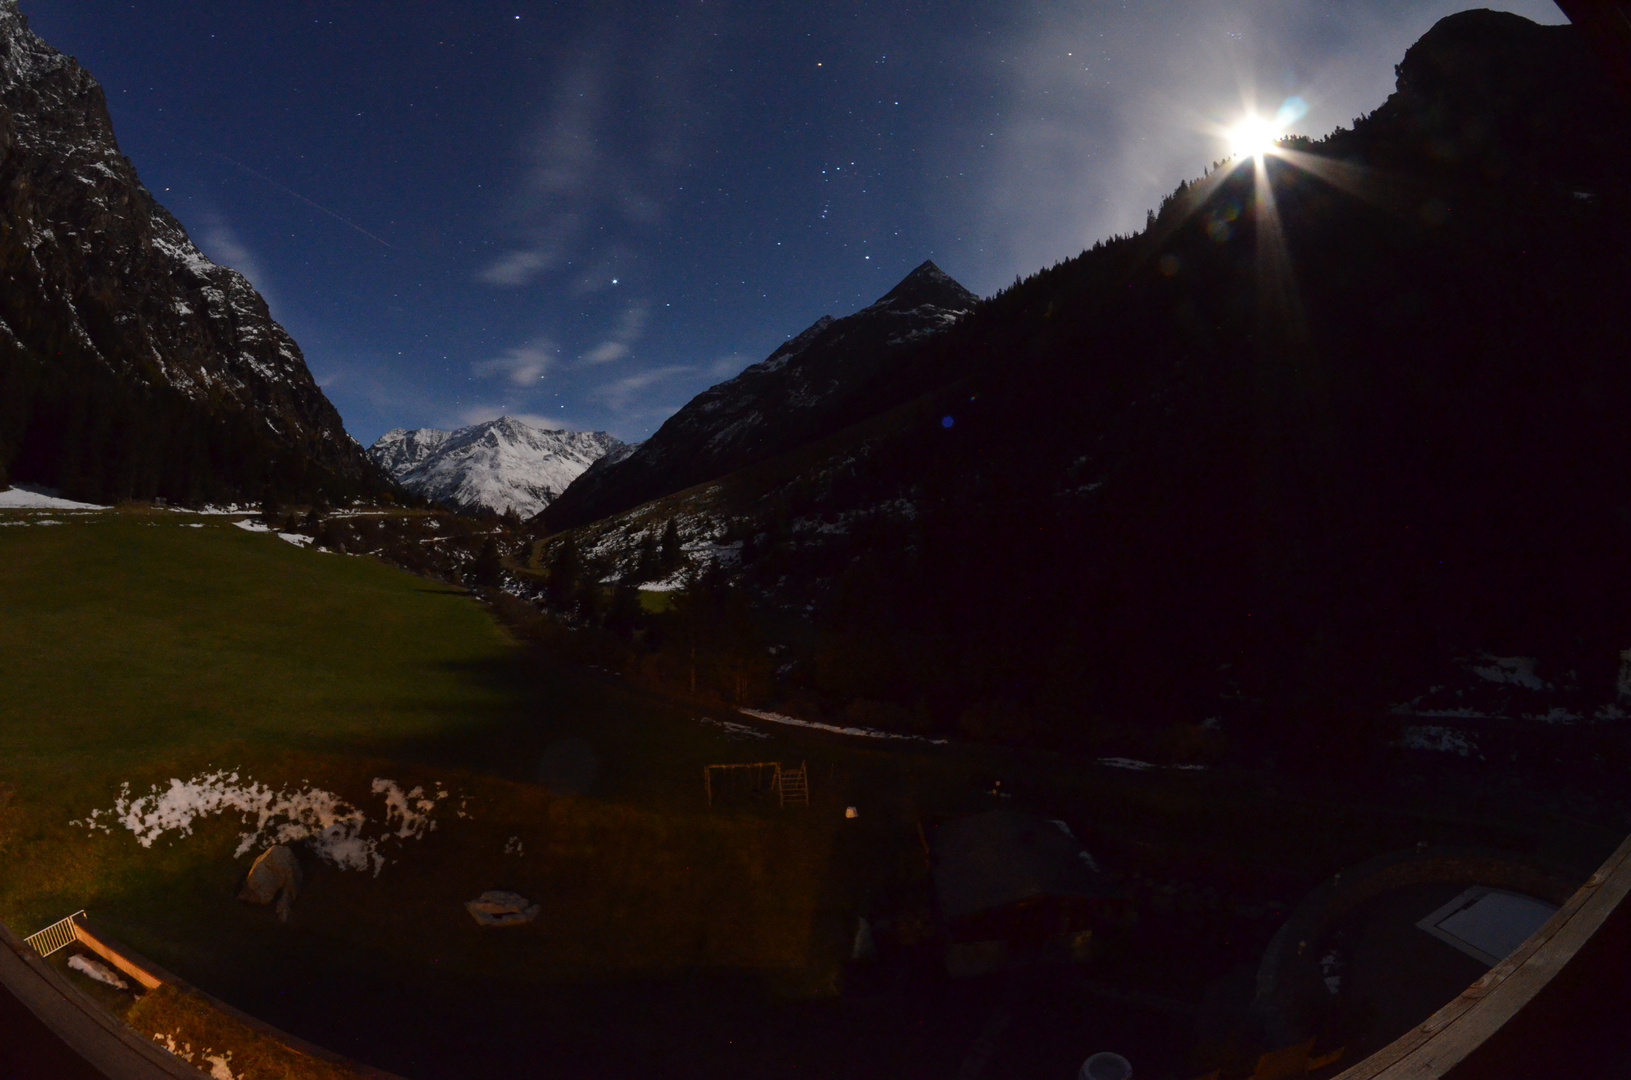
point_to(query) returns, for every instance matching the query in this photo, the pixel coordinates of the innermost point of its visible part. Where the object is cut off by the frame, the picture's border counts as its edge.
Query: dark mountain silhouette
(130, 365)
(1276, 467)
(833, 374)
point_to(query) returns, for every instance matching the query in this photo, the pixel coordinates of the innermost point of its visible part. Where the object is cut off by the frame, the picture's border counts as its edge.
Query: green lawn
(139, 649)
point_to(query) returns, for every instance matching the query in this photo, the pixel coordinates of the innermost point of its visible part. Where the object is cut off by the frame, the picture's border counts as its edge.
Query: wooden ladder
(794, 786)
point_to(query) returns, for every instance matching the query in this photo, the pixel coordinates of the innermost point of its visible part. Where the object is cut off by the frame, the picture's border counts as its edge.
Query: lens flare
(1253, 136)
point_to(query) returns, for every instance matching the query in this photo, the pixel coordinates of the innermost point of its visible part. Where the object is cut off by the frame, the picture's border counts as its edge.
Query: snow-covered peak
(400, 449)
(498, 465)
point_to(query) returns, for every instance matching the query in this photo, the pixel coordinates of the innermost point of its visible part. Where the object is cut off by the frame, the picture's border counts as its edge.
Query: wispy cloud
(519, 267)
(727, 366)
(630, 326)
(606, 352)
(524, 365)
(221, 242)
(613, 130)
(619, 394)
(566, 177)
(480, 414)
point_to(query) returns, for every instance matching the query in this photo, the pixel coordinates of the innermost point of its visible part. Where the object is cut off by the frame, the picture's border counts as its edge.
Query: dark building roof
(1001, 857)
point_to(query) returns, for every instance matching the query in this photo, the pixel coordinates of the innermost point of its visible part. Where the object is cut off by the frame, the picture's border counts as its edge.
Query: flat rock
(274, 878)
(497, 908)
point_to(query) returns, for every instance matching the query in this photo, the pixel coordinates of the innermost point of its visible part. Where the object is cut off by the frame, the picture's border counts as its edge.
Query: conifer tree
(671, 554)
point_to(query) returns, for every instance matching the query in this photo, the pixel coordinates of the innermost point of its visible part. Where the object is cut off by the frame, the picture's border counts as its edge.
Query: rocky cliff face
(834, 373)
(129, 363)
(501, 465)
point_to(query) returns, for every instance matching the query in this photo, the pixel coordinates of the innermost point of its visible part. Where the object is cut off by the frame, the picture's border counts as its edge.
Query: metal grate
(55, 936)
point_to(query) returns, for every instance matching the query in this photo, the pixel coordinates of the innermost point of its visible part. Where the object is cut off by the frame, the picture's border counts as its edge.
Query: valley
(1211, 648)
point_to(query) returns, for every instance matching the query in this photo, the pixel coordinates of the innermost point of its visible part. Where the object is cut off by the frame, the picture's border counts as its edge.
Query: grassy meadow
(141, 646)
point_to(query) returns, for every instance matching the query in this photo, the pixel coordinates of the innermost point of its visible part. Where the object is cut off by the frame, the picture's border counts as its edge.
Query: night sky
(585, 213)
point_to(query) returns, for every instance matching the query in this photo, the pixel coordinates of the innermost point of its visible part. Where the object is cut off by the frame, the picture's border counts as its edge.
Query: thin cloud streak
(221, 242)
(619, 394)
(524, 365)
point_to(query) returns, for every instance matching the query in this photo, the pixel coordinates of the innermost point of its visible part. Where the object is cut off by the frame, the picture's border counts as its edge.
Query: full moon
(1252, 136)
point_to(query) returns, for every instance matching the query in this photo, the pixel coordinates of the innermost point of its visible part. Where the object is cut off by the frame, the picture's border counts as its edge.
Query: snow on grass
(1463, 713)
(251, 526)
(1141, 766)
(1557, 714)
(675, 582)
(734, 730)
(294, 538)
(230, 508)
(865, 733)
(220, 1064)
(336, 831)
(1517, 670)
(1439, 739)
(38, 498)
(412, 810)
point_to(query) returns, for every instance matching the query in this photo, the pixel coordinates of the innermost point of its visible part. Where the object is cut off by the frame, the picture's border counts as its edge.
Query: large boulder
(273, 879)
(497, 908)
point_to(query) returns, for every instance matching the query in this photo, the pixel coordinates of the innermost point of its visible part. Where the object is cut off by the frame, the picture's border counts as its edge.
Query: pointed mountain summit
(130, 364)
(928, 285)
(500, 465)
(835, 373)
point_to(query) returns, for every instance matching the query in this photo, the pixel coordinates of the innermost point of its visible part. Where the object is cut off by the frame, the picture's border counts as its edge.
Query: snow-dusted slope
(834, 373)
(500, 465)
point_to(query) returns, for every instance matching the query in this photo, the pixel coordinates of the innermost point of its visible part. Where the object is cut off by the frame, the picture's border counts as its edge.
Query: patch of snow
(1082, 854)
(39, 498)
(672, 583)
(734, 730)
(251, 526)
(93, 969)
(412, 809)
(1439, 739)
(1331, 969)
(865, 733)
(294, 538)
(1517, 670)
(332, 827)
(1140, 766)
(1557, 714)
